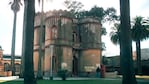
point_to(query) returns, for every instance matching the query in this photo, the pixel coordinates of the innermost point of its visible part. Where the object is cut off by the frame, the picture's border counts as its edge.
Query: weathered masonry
(70, 43)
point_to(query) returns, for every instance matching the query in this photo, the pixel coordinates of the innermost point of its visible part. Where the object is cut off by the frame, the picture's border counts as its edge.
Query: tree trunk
(23, 50)
(126, 61)
(13, 45)
(138, 51)
(29, 11)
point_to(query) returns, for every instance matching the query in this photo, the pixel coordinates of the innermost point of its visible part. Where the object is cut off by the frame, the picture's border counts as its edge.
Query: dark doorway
(75, 66)
(54, 64)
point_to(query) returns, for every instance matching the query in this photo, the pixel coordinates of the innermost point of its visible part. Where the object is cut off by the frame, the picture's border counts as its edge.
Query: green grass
(81, 82)
(100, 81)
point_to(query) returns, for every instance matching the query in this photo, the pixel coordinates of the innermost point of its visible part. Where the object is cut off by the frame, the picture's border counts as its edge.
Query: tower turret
(90, 35)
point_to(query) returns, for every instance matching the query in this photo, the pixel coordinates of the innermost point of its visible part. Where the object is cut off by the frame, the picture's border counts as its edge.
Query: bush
(63, 74)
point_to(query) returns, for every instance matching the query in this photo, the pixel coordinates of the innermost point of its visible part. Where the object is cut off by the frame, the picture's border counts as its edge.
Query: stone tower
(58, 41)
(73, 44)
(90, 45)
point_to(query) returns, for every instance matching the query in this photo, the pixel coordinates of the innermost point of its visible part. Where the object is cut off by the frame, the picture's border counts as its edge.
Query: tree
(103, 15)
(28, 27)
(114, 34)
(110, 15)
(126, 62)
(97, 12)
(139, 33)
(15, 7)
(73, 6)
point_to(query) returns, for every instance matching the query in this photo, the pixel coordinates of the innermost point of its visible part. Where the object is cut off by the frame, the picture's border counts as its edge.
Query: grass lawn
(100, 81)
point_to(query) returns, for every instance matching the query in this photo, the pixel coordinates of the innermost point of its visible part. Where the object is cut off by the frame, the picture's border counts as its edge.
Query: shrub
(63, 74)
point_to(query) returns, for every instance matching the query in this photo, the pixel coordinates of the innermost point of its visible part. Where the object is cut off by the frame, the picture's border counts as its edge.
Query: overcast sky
(137, 7)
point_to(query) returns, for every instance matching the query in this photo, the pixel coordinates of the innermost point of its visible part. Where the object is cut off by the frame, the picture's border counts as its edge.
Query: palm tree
(15, 7)
(114, 34)
(28, 32)
(126, 62)
(139, 33)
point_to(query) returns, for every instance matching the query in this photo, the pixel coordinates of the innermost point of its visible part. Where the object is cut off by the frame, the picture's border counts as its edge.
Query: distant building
(113, 62)
(5, 64)
(144, 54)
(70, 41)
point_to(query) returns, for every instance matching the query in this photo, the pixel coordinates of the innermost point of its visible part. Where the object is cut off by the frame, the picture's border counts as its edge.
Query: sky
(137, 8)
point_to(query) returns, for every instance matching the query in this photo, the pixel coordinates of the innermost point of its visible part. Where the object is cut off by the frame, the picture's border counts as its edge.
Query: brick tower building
(70, 43)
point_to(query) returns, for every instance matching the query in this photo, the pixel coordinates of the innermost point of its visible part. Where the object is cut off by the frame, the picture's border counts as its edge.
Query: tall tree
(114, 34)
(126, 62)
(15, 7)
(28, 25)
(139, 33)
(103, 15)
(73, 6)
(97, 12)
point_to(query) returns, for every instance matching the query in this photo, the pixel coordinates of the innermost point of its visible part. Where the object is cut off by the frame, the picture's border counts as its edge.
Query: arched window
(6, 67)
(74, 37)
(17, 67)
(54, 32)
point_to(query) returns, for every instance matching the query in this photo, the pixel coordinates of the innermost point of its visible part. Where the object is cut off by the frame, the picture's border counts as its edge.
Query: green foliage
(15, 5)
(73, 6)
(63, 74)
(139, 32)
(140, 29)
(114, 34)
(103, 47)
(103, 31)
(110, 15)
(99, 12)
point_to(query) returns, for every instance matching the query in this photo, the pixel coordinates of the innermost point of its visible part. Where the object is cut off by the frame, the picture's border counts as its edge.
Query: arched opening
(17, 68)
(54, 64)
(75, 66)
(74, 35)
(54, 32)
(6, 67)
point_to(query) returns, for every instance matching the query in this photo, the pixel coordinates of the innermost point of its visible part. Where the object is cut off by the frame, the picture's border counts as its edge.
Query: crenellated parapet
(68, 38)
(58, 27)
(87, 30)
(51, 14)
(90, 20)
(37, 19)
(58, 13)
